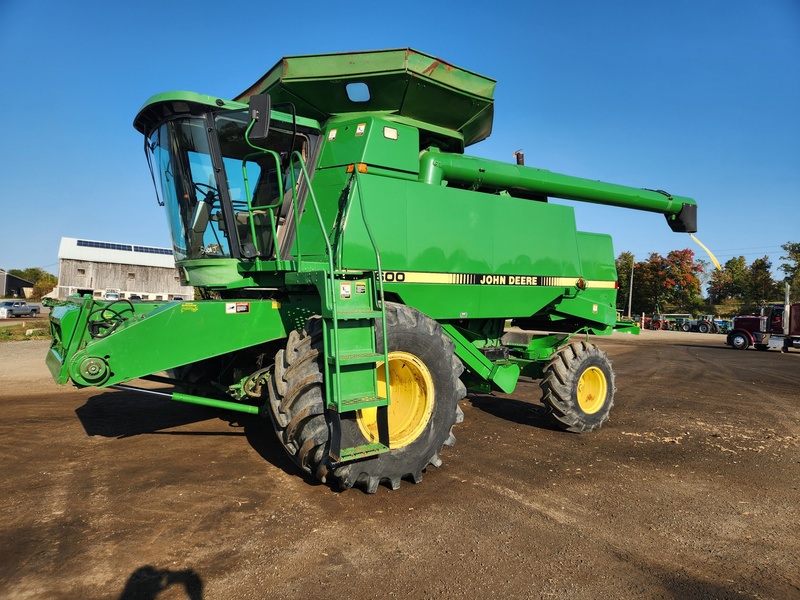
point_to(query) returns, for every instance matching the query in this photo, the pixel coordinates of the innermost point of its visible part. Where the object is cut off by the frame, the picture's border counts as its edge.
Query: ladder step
(350, 315)
(356, 359)
(349, 404)
(362, 451)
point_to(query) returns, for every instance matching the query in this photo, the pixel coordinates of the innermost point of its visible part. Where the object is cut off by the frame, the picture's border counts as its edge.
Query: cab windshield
(223, 198)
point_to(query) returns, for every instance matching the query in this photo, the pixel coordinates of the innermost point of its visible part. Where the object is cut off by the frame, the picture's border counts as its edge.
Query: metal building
(126, 270)
(12, 286)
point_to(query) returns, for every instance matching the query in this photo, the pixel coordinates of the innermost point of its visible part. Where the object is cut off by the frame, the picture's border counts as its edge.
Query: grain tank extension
(355, 270)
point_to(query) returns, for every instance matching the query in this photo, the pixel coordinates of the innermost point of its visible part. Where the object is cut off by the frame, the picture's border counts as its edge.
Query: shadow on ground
(124, 414)
(515, 411)
(118, 414)
(147, 583)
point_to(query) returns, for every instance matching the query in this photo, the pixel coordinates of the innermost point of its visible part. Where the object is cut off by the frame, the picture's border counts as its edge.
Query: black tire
(739, 341)
(704, 328)
(297, 403)
(574, 406)
(686, 327)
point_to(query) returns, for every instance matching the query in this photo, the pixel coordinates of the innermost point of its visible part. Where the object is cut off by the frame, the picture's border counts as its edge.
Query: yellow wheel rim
(411, 401)
(592, 390)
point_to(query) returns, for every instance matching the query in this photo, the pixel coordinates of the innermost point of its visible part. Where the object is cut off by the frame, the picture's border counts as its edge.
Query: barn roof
(115, 253)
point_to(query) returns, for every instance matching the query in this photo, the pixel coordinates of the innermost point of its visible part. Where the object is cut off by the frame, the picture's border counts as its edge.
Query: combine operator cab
(227, 187)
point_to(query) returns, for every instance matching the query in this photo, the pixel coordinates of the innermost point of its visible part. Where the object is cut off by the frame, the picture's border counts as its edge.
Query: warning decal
(235, 308)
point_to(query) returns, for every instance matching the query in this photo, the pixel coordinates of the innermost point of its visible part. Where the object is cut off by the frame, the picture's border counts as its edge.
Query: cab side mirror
(260, 106)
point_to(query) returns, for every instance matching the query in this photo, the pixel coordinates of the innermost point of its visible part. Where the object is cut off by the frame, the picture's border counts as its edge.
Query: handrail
(296, 158)
(379, 286)
(269, 207)
(341, 221)
(329, 252)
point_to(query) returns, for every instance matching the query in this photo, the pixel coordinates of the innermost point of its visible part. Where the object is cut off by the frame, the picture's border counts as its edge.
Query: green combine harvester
(355, 270)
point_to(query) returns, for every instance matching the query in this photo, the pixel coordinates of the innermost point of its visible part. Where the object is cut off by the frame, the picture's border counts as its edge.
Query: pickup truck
(16, 308)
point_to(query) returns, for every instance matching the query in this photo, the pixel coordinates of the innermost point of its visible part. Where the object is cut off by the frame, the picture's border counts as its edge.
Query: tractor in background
(702, 324)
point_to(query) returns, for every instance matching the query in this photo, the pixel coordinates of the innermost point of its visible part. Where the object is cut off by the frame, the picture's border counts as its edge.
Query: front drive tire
(578, 386)
(740, 341)
(424, 405)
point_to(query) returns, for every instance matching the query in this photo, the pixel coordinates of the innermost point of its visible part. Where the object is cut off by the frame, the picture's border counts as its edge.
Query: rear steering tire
(425, 389)
(578, 386)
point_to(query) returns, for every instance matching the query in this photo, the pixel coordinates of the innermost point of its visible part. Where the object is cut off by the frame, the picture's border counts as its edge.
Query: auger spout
(537, 184)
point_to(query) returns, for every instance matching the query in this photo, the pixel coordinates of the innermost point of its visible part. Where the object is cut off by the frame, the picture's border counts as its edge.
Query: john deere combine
(355, 270)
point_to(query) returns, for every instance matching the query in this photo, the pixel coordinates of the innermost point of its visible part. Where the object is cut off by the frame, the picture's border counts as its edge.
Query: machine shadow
(120, 414)
(721, 348)
(261, 436)
(513, 410)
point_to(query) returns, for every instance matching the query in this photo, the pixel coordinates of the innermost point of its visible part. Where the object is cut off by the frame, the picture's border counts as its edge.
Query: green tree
(625, 263)
(44, 285)
(760, 288)
(727, 286)
(704, 276)
(683, 281)
(648, 284)
(32, 274)
(792, 268)
(667, 284)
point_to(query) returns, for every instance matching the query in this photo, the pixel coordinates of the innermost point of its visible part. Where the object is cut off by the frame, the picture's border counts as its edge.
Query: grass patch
(15, 333)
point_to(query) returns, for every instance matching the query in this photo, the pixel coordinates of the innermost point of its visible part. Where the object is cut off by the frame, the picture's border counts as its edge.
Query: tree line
(674, 283)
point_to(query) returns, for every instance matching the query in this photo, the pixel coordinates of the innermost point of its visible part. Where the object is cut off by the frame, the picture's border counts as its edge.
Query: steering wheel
(210, 193)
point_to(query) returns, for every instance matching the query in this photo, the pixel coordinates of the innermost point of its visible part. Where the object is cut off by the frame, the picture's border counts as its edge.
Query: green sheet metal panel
(376, 142)
(178, 333)
(594, 248)
(327, 186)
(499, 256)
(400, 81)
(168, 104)
(483, 233)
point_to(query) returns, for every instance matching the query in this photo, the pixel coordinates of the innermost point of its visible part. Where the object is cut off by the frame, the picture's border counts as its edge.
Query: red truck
(778, 326)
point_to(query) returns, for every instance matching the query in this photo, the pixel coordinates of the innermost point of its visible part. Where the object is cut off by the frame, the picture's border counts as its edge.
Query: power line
(751, 248)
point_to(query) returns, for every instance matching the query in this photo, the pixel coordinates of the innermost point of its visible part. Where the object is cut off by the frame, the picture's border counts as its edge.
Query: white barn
(97, 268)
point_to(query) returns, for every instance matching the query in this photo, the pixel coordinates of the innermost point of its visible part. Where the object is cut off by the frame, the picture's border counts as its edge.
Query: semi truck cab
(778, 326)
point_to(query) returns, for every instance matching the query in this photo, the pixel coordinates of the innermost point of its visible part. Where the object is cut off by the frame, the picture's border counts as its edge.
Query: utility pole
(630, 291)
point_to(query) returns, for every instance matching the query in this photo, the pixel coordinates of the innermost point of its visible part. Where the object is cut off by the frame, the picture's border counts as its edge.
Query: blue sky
(697, 97)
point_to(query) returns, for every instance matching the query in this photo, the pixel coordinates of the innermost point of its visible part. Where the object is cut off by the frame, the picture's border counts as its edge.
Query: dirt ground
(689, 491)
